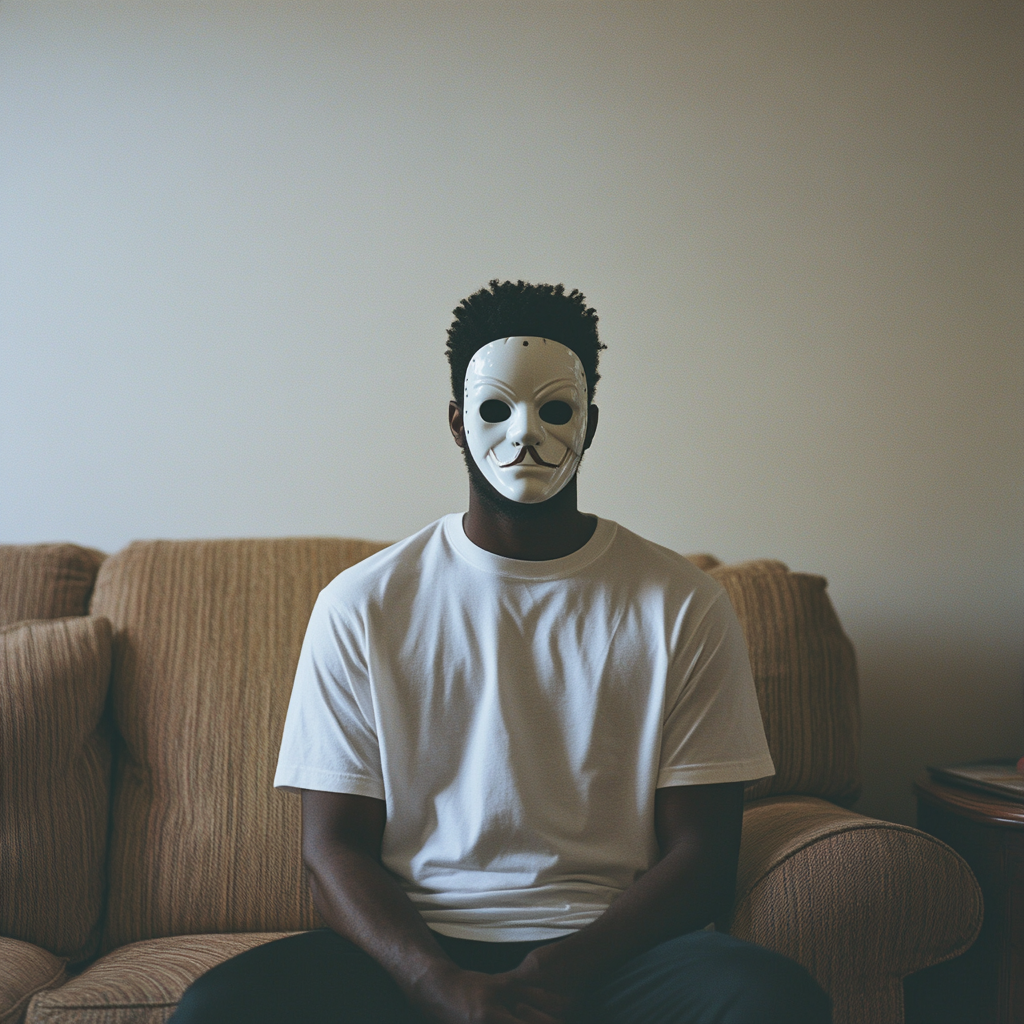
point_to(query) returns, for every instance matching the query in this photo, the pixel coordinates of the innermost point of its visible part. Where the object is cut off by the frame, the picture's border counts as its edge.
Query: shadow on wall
(932, 694)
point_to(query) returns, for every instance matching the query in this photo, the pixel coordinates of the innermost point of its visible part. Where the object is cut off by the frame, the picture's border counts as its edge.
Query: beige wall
(233, 234)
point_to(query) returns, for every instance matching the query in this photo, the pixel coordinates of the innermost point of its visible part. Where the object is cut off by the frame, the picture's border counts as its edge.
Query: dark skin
(692, 883)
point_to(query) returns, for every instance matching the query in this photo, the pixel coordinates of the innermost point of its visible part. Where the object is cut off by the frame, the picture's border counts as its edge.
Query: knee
(759, 986)
(208, 1000)
(706, 977)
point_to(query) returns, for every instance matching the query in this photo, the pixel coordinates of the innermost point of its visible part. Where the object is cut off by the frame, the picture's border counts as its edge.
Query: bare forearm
(693, 884)
(362, 901)
(670, 899)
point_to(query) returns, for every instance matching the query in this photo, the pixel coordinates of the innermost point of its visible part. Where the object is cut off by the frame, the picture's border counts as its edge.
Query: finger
(544, 999)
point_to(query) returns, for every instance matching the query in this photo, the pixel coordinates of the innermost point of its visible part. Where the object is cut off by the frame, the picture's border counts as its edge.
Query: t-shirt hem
(294, 778)
(500, 934)
(708, 774)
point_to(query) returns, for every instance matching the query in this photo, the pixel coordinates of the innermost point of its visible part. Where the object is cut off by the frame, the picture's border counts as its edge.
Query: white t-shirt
(517, 717)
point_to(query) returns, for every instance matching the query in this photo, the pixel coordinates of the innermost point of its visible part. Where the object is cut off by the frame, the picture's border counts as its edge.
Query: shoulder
(648, 565)
(394, 568)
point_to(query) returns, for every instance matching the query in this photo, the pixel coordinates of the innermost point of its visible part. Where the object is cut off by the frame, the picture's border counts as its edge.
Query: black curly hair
(504, 309)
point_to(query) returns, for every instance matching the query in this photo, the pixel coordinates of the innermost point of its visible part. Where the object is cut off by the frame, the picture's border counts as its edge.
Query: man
(521, 737)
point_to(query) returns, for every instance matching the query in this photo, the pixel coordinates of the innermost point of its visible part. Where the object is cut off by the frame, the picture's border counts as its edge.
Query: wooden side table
(986, 984)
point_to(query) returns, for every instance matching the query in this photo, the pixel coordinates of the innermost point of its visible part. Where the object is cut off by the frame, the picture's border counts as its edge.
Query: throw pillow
(54, 782)
(45, 581)
(806, 677)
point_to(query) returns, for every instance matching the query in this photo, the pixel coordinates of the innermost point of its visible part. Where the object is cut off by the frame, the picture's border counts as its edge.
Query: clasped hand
(450, 995)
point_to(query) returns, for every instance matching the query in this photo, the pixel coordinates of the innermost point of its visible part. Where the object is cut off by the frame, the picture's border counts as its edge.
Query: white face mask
(525, 413)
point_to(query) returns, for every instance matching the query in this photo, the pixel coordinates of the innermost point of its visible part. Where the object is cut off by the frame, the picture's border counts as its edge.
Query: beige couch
(142, 697)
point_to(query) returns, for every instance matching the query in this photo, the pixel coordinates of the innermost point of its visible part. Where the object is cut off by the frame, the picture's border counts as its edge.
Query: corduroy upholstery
(53, 810)
(860, 903)
(140, 983)
(806, 676)
(45, 581)
(24, 970)
(208, 635)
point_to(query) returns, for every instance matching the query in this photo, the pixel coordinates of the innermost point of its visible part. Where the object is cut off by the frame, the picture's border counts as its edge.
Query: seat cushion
(55, 781)
(208, 636)
(140, 983)
(45, 581)
(25, 969)
(806, 676)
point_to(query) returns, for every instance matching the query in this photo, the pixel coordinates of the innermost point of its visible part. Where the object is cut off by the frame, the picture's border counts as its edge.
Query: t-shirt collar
(516, 568)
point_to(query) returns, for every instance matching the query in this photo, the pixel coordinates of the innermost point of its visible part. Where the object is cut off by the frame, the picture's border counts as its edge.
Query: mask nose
(526, 427)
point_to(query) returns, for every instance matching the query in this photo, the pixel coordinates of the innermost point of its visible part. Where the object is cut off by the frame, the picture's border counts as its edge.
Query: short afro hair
(505, 310)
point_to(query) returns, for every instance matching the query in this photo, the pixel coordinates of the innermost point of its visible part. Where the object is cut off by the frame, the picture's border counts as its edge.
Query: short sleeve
(330, 736)
(712, 730)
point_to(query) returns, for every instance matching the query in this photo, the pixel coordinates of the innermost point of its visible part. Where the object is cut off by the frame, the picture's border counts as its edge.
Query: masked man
(521, 737)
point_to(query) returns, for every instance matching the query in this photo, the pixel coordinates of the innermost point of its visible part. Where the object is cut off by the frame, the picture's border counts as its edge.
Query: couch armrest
(861, 903)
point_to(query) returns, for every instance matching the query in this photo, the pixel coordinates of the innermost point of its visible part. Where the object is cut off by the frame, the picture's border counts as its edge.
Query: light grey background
(231, 237)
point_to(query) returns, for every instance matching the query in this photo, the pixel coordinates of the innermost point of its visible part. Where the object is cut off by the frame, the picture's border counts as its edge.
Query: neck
(534, 533)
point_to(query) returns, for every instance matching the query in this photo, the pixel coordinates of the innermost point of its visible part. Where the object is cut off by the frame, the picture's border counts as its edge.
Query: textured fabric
(806, 677)
(25, 969)
(140, 983)
(518, 717)
(45, 581)
(208, 637)
(320, 978)
(860, 903)
(55, 781)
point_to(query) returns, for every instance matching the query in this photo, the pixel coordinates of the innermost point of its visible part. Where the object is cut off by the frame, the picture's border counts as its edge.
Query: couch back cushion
(806, 676)
(207, 636)
(45, 581)
(54, 782)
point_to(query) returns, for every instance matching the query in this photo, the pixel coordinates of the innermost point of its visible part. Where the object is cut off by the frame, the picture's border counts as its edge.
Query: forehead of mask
(526, 369)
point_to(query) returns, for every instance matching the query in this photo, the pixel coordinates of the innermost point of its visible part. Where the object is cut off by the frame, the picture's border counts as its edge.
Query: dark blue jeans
(320, 978)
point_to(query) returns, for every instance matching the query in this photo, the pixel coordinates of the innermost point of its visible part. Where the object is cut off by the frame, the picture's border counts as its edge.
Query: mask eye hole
(556, 412)
(494, 411)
